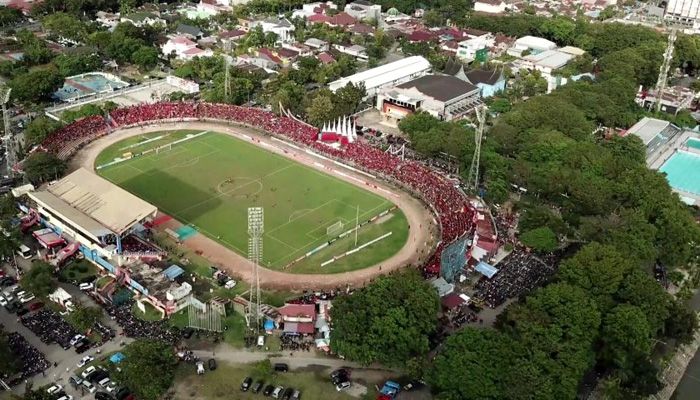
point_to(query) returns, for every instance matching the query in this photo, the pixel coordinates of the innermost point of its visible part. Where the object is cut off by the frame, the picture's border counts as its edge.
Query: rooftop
(378, 76)
(440, 87)
(94, 203)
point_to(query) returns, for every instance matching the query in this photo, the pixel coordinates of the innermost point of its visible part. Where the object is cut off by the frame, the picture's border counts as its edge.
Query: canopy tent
(269, 325)
(173, 271)
(48, 238)
(486, 270)
(116, 358)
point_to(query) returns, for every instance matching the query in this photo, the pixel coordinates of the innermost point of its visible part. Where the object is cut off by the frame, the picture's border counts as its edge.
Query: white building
(279, 26)
(355, 50)
(490, 6)
(467, 49)
(684, 12)
(310, 9)
(386, 75)
(362, 9)
(141, 19)
(530, 44)
(184, 49)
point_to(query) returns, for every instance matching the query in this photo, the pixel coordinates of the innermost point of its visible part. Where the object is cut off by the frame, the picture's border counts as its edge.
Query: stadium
(335, 213)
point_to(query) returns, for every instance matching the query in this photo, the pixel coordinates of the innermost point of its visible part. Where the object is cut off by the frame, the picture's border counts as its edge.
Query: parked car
(257, 386)
(200, 368)
(103, 382)
(103, 396)
(287, 393)
(296, 395)
(35, 306)
(212, 364)
(86, 286)
(89, 386)
(21, 311)
(281, 367)
(342, 385)
(27, 298)
(268, 390)
(75, 381)
(55, 388)
(245, 385)
(3, 302)
(111, 387)
(66, 397)
(85, 361)
(277, 393)
(76, 339)
(88, 371)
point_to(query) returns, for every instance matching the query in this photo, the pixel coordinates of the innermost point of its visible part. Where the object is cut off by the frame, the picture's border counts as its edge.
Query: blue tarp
(116, 358)
(173, 272)
(486, 270)
(269, 325)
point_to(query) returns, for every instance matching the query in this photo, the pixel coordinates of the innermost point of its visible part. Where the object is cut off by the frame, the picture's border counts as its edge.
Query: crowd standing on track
(453, 210)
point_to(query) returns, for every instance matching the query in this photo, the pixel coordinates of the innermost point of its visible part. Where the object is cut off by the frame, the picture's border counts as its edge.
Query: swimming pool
(682, 171)
(693, 143)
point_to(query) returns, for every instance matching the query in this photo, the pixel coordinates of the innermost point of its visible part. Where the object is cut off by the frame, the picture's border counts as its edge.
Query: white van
(24, 252)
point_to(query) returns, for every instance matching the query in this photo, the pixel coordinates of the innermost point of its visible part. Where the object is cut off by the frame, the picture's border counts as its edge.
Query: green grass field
(210, 181)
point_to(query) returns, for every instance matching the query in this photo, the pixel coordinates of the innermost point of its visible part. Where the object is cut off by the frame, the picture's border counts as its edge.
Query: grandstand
(105, 222)
(453, 211)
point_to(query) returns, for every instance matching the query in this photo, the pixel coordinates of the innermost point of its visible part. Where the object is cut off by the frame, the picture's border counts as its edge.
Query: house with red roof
(325, 58)
(318, 19)
(421, 36)
(362, 29)
(342, 19)
(298, 318)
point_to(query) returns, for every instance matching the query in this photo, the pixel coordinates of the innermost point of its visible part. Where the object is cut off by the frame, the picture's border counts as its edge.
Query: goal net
(335, 228)
(164, 147)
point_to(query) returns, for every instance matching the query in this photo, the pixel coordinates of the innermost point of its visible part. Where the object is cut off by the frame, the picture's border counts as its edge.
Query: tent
(269, 325)
(116, 358)
(486, 270)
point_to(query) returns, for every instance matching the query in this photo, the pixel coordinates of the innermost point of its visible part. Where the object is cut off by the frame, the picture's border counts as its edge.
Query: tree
(320, 110)
(433, 18)
(541, 239)
(9, 364)
(65, 26)
(36, 85)
(84, 318)
(388, 321)
(41, 167)
(146, 57)
(347, 99)
(39, 280)
(38, 129)
(626, 336)
(73, 64)
(9, 16)
(149, 368)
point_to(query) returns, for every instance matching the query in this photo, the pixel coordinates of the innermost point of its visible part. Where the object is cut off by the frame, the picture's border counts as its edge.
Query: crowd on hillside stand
(455, 214)
(518, 273)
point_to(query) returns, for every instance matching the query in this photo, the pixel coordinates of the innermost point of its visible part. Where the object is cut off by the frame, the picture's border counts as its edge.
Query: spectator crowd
(50, 327)
(452, 207)
(32, 360)
(137, 328)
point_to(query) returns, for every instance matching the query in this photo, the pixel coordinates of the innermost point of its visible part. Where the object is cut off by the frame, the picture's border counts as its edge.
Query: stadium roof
(387, 73)
(94, 203)
(440, 87)
(648, 128)
(486, 269)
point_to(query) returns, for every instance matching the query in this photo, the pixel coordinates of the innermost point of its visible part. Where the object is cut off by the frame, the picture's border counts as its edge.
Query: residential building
(141, 19)
(310, 9)
(530, 45)
(279, 26)
(489, 82)
(325, 58)
(362, 9)
(213, 7)
(108, 20)
(443, 96)
(298, 318)
(476, 48)
(355, 50)
(490, 6)
(189, 31)
(386, 75)
(231, 36)
(317, 44)
(184, 49)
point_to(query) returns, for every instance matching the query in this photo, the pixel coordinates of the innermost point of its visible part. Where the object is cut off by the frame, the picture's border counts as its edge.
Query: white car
(26, 299)
(230, 284)
(55, 388)
(89, 387)
(342, 385)
(200, 368)
(88, 371)
(20, 294)
(76, 339)
(3, 302)
(86, 286)
(111, 387)
(103, 383)
(66, 397)
(85, 360)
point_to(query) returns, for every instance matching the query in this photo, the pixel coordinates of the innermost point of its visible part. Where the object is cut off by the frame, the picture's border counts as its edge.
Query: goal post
(335, 229)
(164, 147)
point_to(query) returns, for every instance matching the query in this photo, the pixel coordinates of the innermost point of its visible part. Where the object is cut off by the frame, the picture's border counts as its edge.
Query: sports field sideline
(210, 181)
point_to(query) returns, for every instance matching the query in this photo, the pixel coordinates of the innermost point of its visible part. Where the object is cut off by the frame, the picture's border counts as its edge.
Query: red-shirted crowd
(454, 212)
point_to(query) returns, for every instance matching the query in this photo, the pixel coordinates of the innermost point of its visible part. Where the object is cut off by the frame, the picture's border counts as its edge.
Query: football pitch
(210, 181)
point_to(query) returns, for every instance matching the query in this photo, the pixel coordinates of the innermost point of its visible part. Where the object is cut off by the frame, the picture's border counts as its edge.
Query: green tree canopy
(39, 280)
(541, 239)
(388, 321)
(148, 368)
(42, 167)
(36, 85)
(39, 128)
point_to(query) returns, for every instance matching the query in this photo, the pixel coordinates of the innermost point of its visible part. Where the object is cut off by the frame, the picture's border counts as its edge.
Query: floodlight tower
(665, 67)
(8, 138)
(473, 179)
(255, 252)
(227, 69)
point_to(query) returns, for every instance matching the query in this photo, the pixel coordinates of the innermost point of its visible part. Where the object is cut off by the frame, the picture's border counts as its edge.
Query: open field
(210, 181)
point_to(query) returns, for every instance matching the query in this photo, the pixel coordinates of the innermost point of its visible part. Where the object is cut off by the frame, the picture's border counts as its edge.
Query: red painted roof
(296, 310)
(319, 18)
(326, 58)
(420, 36)
(343, 19)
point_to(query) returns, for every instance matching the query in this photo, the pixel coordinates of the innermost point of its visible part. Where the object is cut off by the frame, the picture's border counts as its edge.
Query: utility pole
(255, 252)
(473, 178)
(10, 141)
(665, 67)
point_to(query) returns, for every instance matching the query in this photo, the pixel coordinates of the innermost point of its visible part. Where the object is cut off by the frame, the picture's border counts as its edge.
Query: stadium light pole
(8, 139)
(256, 220)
